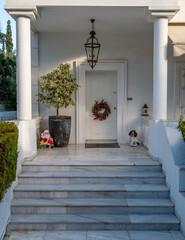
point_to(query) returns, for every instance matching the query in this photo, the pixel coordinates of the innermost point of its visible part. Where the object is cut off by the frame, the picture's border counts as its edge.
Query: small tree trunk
(57, 112)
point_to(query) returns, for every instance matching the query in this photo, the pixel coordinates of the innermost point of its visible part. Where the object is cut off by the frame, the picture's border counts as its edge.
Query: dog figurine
(134, 142)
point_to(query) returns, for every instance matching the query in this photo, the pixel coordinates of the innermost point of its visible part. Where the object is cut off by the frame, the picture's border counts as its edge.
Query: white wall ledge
(172, 156)
(176, 141)
(157, 4)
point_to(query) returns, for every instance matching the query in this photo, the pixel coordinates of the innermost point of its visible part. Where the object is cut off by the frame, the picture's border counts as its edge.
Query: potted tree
(56, 89)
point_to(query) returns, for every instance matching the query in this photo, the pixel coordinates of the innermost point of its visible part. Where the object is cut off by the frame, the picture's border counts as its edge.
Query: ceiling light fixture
(92, 47)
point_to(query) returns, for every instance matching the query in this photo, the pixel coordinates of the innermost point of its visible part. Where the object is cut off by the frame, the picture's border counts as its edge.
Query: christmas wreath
(97, 110)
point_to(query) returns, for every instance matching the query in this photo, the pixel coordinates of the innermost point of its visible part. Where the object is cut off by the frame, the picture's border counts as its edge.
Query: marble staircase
(128, 194)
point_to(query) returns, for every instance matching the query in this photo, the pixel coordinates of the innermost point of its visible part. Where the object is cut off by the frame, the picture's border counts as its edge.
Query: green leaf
(57, 87)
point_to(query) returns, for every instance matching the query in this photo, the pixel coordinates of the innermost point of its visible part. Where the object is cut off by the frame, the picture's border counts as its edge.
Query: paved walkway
(78, 155)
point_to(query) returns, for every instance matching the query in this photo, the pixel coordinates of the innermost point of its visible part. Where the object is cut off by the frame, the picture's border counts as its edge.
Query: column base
(27, 138)
(154, 139)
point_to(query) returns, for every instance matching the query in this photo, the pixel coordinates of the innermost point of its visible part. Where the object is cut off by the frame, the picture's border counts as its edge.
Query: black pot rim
(61, 116)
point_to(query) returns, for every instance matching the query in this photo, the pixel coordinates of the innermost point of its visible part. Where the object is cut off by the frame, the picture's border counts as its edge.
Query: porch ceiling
(108, 19)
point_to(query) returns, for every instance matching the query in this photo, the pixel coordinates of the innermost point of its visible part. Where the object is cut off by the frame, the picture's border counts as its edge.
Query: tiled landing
(97, 235)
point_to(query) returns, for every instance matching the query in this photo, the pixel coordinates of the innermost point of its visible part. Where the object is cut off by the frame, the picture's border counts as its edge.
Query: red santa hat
(45, 130)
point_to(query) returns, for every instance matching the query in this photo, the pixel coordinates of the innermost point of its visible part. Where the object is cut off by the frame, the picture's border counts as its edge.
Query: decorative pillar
(159, 83)
(24, 97)
(160, 68)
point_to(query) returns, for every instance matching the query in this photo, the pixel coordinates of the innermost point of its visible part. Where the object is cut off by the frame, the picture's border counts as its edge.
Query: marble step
(94, 222)
(91, 177)
(83, 167)
(91, 191)
(91, 205)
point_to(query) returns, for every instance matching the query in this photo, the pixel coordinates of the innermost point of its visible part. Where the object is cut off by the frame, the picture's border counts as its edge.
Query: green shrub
(182, 126)
(8, 155)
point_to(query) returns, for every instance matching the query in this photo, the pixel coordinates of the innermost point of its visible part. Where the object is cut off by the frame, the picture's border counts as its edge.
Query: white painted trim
(121, 67)
(176, 91)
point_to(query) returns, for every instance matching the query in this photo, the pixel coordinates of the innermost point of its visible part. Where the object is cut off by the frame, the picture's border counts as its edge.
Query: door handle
(115, 108)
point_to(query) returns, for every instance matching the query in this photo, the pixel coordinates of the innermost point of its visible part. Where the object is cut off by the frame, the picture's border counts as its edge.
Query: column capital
(153, 13)
(18, 11)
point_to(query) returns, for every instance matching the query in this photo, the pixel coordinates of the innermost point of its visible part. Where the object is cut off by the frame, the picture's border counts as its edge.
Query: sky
(4, 17)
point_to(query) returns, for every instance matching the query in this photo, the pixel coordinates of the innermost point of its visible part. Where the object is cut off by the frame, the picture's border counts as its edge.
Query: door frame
(121, 68)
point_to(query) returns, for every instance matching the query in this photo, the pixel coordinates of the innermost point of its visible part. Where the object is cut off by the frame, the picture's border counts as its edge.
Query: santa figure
(46, 139)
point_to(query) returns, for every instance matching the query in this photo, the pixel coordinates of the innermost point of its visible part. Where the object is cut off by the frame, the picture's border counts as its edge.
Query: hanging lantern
(92, 47)
(145, 110)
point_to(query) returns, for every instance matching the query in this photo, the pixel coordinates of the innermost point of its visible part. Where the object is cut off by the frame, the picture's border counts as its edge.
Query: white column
(160, 68)
(159, 84)
(24, 98)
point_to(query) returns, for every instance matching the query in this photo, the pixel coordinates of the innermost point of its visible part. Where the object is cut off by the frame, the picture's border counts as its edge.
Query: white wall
(5, 212)
(172, 156)
(56, 48)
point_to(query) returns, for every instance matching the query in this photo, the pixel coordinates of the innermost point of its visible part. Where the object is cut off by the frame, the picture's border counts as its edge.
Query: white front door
(101, 85)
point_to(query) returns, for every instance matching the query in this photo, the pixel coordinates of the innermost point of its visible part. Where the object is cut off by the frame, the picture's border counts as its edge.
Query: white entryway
(101, 85)
(108, 82)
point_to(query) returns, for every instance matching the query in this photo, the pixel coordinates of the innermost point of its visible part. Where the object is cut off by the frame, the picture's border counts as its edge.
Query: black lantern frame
(92, 47)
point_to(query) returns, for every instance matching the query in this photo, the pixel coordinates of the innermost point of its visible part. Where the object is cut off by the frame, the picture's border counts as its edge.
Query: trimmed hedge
(182, 126)
(8, 155)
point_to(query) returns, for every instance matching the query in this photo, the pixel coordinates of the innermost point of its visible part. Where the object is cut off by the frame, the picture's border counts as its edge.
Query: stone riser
(92, 226)
(60, 168)
(119, 180)
(100, 209)
(90, 194)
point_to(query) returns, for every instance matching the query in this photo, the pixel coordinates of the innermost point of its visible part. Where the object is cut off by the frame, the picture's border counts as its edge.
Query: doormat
(102, 145)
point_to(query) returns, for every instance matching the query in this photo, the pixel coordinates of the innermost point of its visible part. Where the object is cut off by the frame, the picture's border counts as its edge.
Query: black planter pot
(60, 129)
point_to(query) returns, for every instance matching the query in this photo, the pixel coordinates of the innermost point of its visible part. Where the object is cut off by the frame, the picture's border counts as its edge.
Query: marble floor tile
(107, 235)
(148, 202)
(107, 218)
(65, 235)
(153, 218)
(73, 153)
(27, 235)
(149, 235)
(145, 187)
